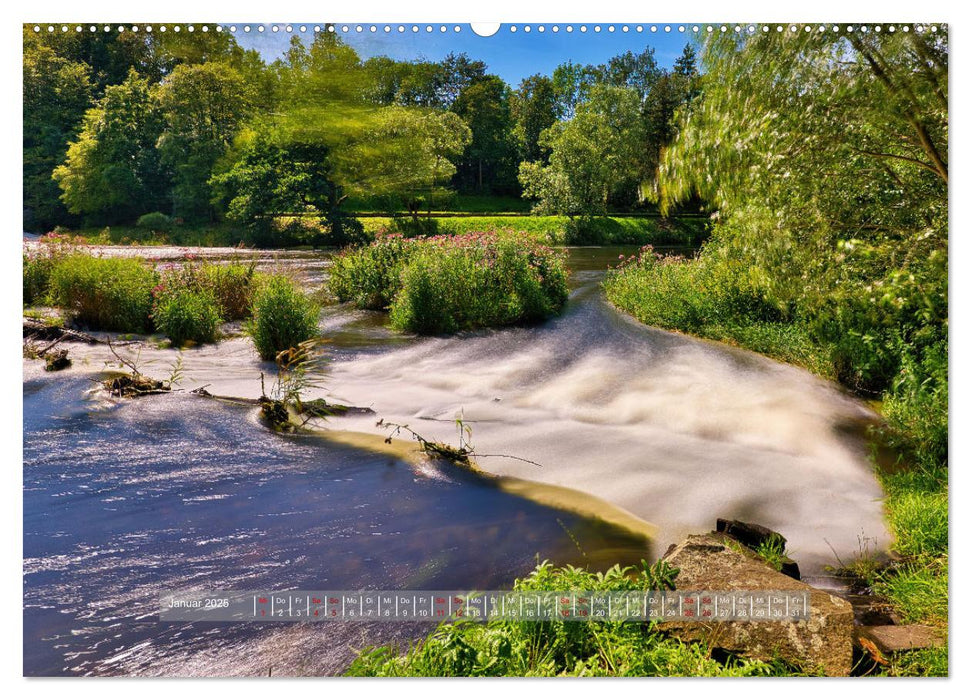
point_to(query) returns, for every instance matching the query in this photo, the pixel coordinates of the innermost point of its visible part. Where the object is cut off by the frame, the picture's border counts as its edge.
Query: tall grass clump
(557, 648)
(112, 294)
(39, 261)
(232, 285)
(445, 284)
(283, 317)
(186, 315)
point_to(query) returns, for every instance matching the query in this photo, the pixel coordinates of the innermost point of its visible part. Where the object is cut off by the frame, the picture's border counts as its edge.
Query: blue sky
(512, 55)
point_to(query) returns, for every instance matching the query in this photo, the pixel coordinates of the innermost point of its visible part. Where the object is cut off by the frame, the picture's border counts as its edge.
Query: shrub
(37, 275)
(370, 276)
(479, 280)
(156, 221)
(445, 284)
(186, 315)
(283, 317)
(232, 286)
(113, 294)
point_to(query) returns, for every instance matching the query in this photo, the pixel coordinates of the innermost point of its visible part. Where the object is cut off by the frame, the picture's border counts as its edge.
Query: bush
(283, 317)
(445, 284)
(156, 221)
(112, 294)
(370, 277)
(37, 276)
(476, 281)
(232, 286)
(186, 315)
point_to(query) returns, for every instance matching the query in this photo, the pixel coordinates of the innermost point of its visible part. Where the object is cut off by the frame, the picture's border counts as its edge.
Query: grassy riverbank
(559, 230)
(552, 230)
(708, 298)
(553, 648)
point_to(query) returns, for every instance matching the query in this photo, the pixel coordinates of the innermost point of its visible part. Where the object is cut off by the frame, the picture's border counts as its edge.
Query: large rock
(715, 562)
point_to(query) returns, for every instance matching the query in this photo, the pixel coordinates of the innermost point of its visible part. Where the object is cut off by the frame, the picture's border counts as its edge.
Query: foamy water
(675, 430)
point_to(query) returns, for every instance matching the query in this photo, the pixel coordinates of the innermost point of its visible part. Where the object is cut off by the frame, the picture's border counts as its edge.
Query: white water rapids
(675, 430)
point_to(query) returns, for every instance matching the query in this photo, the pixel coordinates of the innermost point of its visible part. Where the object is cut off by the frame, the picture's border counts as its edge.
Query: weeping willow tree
(824, 156)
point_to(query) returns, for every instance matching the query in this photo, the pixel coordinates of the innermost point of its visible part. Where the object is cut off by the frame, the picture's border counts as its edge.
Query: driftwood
(130, 386)
(278, 415)
(36, 330)
(133, 384)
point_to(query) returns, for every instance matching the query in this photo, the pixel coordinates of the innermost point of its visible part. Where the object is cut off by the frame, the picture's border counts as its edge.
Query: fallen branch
(38, 330)
(461, 455)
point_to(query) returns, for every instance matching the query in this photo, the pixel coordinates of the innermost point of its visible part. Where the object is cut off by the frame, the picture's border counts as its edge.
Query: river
(639, 436)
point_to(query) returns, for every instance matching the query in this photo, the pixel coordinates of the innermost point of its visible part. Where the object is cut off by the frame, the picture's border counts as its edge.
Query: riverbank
(553, 230)
(674, 431)
(906, 443)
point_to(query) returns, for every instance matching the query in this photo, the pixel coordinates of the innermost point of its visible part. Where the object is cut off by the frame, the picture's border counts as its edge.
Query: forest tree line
(118, 125)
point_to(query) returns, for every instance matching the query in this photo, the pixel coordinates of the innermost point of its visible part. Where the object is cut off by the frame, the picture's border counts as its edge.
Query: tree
(534, 109)
(635, 71)
(112, 171)
(571, 85)
(272, 176)
(594, 157)
(56, 93)
(488, 164)
(826, 156)
(404, 155)
(204, 106)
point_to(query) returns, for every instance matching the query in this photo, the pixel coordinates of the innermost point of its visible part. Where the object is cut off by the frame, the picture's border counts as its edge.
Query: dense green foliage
(112, 170)
(112, 294)
(118, 125)
(710, 297)
(187, 315)
(38, 264)
(478, 281)
(370, 277)
(620, 117)
(554, 648)
(156, 222)
(191, 300)
(444, 284)
(185, 302)
(283, 317)
(832, 247)
(232, 285)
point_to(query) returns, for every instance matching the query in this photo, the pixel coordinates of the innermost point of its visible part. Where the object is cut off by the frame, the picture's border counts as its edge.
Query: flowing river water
(639, 436)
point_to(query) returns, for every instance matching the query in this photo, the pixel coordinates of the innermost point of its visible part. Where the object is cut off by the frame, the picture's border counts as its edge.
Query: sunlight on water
(123, 499)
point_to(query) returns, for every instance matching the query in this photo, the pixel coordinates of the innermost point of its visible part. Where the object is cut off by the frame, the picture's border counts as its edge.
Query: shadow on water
(123, 502)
